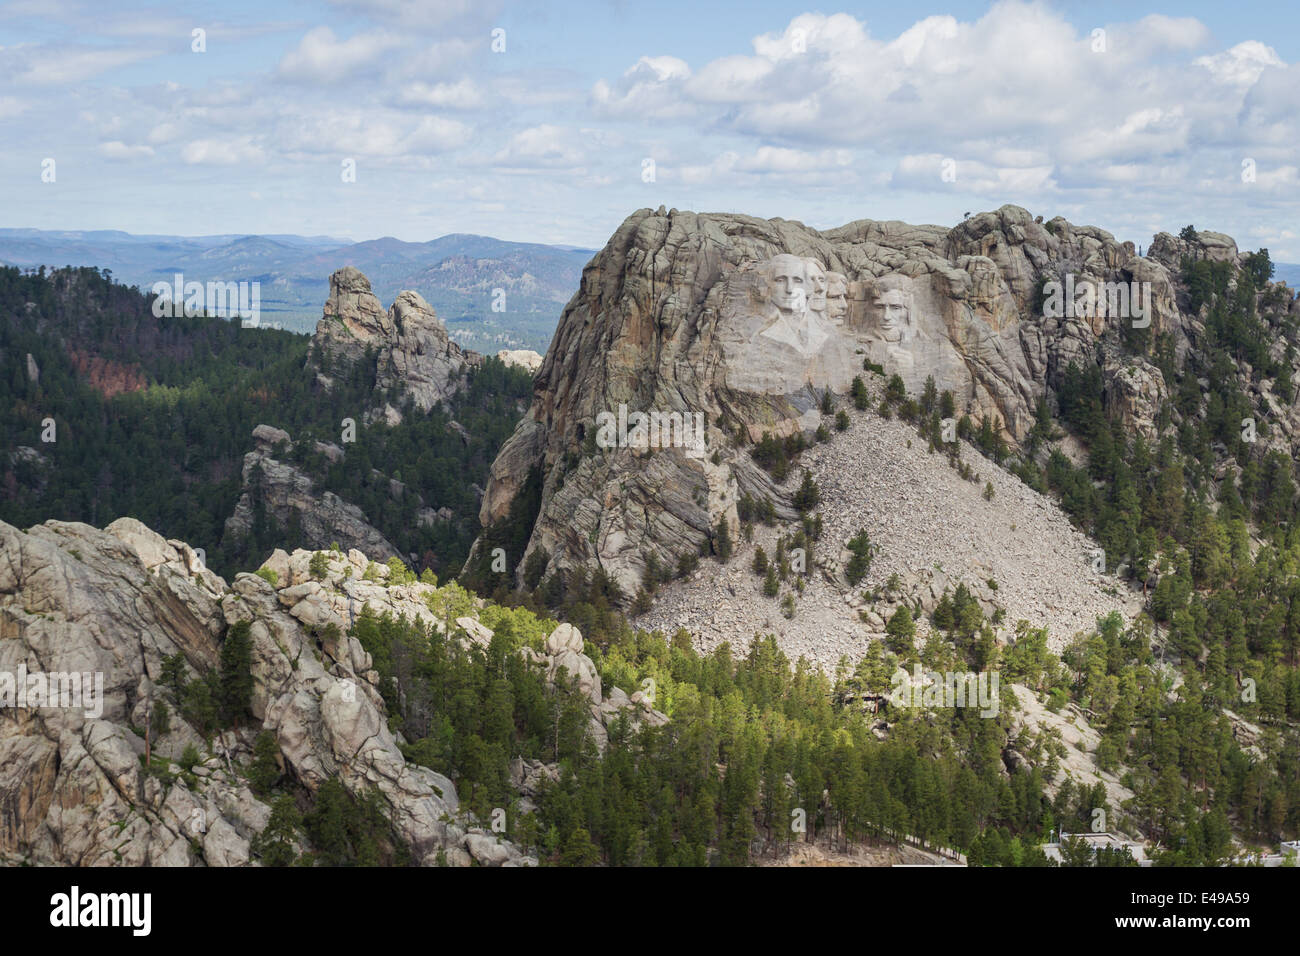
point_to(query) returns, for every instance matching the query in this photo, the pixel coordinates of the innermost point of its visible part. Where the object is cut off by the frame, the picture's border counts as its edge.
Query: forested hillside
(1196, 700)
(152, 417)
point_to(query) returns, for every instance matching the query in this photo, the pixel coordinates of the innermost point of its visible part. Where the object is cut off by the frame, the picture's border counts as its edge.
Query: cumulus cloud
(1242, 65)
(1020, 97)
(648, 89)
(321, 57)
(546, 146)
(1156, 32)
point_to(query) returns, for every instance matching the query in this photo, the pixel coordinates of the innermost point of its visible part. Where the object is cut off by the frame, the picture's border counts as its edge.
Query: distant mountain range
(458, 274)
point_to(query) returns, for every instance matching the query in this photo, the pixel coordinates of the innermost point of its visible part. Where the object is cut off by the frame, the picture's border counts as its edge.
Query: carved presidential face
(895, 319)
(837, 297)
(773, 343)
(816, 286)
(788, 284)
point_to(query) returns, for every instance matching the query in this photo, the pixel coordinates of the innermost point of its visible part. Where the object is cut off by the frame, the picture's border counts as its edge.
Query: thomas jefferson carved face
(788, 284)
(816, 286)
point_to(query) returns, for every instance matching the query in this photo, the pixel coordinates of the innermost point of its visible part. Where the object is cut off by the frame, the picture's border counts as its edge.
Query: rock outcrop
(414, 357)
(329, 606)
(291, 499)
(1169, 250)
(565, 663)
(521, 358)
(110, 605)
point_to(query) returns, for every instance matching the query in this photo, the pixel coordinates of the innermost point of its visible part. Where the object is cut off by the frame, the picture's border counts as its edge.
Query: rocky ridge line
(73, 790)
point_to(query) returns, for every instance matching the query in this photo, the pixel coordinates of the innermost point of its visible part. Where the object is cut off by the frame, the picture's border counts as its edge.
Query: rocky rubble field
(931, 527)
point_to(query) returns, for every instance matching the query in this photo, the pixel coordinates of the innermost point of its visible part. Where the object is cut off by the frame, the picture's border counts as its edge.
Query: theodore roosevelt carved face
(837, 297)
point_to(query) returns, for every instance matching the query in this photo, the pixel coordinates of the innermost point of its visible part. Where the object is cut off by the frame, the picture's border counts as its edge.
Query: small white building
(1095, 842)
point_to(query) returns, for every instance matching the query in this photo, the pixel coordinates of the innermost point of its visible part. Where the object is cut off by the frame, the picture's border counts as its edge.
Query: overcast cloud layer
(1136, 126)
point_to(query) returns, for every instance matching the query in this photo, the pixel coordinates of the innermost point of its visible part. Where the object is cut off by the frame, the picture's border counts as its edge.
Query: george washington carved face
(776, 328)
(787, 283)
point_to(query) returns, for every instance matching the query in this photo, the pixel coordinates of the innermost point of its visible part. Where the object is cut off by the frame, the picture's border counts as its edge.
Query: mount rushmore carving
(789, 323)
(749, 321)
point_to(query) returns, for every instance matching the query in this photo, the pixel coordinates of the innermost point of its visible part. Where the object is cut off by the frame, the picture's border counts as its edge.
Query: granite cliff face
(748, 321)
(75, 600)
(413, 355)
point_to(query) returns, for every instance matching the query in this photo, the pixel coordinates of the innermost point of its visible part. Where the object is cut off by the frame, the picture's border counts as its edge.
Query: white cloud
(767, 164)
(544, 146)
(649, 89)
(118, 150)
(375, 133)
(1241, 65)
(321, 57)
(1158, 31)
(729, 79)
(1280, 178)
(1020, 91)
(935, 172)
(463, 94)
(217, 152)
(51, 65)
(833, 35)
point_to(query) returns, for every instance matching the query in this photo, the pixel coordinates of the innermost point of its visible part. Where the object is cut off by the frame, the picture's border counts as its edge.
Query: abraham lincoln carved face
(893, 315)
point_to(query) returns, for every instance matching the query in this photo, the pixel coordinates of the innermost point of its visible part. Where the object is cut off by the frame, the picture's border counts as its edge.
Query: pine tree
(264, 770)
(722, 540)
(860, 557)
(771, 585)
(236, 676)
(861, 400)
(901, 630)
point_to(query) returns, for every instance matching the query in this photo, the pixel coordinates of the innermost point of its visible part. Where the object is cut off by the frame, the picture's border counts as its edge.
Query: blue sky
(823, 114)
